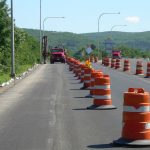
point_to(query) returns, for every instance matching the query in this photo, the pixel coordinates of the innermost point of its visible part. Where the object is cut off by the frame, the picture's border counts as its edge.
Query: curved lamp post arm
(47, 19)
(98, 25)
(116, 26)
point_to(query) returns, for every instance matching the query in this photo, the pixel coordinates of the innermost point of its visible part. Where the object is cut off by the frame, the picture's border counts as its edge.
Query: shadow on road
(82, 97)
(74, 89)
(101, 146)
(80, 109)
(75, 83)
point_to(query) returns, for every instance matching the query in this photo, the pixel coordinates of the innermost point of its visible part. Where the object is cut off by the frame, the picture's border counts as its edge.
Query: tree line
(26, 47)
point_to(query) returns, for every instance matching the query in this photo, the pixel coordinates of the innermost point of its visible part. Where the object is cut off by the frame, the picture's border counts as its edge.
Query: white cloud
(133, 19)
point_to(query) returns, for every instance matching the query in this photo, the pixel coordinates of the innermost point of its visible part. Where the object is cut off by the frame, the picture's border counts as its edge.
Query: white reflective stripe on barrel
(147, 125)
(87, 81)
(102, 87)
(133, 109)
(92, 80)
(87, 75)
(102, 97)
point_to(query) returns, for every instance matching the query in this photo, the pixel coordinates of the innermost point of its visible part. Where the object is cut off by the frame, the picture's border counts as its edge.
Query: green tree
(4, 33)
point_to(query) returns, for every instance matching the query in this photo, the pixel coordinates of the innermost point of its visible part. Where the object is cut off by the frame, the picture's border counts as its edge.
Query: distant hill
(139, 40)
(68, 40)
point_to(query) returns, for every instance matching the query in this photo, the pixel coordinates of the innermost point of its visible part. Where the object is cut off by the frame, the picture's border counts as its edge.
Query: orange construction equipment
(113, 62)
(102, 94)
(118, 64)
(136, 118)
(148, 70)
(139, 68)
(126, 65)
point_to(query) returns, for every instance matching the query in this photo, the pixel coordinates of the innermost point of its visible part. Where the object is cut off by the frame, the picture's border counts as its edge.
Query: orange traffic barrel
(148, 70)
(118, 64)
(126, 65)
(94, 75)
(107, 62)
(113, 62)
(102, 94)
(79, 71)
(104, 61)
(87, 78)
(71, 64)
(76, 68)
(136, 118)
(139, 68)
(92, 59)
(96, 59)
(82, 73)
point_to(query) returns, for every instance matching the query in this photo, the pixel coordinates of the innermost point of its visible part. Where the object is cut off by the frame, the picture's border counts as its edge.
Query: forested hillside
(26, 47)
(67, 39)
(139, 40)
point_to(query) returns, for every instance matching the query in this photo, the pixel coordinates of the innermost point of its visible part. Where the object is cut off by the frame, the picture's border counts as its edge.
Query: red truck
(116, 54)
(57, 55)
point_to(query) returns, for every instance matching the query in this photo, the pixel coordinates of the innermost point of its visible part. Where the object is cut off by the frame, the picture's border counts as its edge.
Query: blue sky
(81, 16)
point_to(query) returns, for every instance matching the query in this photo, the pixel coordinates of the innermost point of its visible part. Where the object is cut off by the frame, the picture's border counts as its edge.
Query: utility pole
(12, 43)
(40, 34)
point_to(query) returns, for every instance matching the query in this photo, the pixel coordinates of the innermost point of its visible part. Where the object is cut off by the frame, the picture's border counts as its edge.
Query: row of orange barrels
(116, 64)
(136, 106)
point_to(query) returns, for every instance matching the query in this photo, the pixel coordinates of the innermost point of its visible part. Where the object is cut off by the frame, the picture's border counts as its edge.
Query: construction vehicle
(57, 54)
(116, 54)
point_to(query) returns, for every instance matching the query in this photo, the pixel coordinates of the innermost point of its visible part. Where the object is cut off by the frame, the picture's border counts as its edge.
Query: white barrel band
(102, 97)
(133, 109)
(102, 87)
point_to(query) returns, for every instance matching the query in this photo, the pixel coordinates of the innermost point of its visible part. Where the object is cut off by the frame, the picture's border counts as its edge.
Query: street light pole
(40, 35)
(113, 28)
(12, 43)
(98, 26)
(116, 26)
(47, 19)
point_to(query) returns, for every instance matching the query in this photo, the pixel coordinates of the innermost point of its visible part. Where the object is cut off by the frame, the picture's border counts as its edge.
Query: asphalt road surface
(47, 111)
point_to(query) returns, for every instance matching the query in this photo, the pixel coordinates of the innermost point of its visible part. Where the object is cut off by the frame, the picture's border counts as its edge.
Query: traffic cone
(126, 65)
(136, 118)
(139, 68)
(102, 94)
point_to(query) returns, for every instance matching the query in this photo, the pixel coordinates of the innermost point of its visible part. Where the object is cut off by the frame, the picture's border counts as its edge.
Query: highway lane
(47, 110)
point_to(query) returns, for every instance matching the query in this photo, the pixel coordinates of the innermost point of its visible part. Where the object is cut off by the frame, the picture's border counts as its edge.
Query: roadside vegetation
(26, 47)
